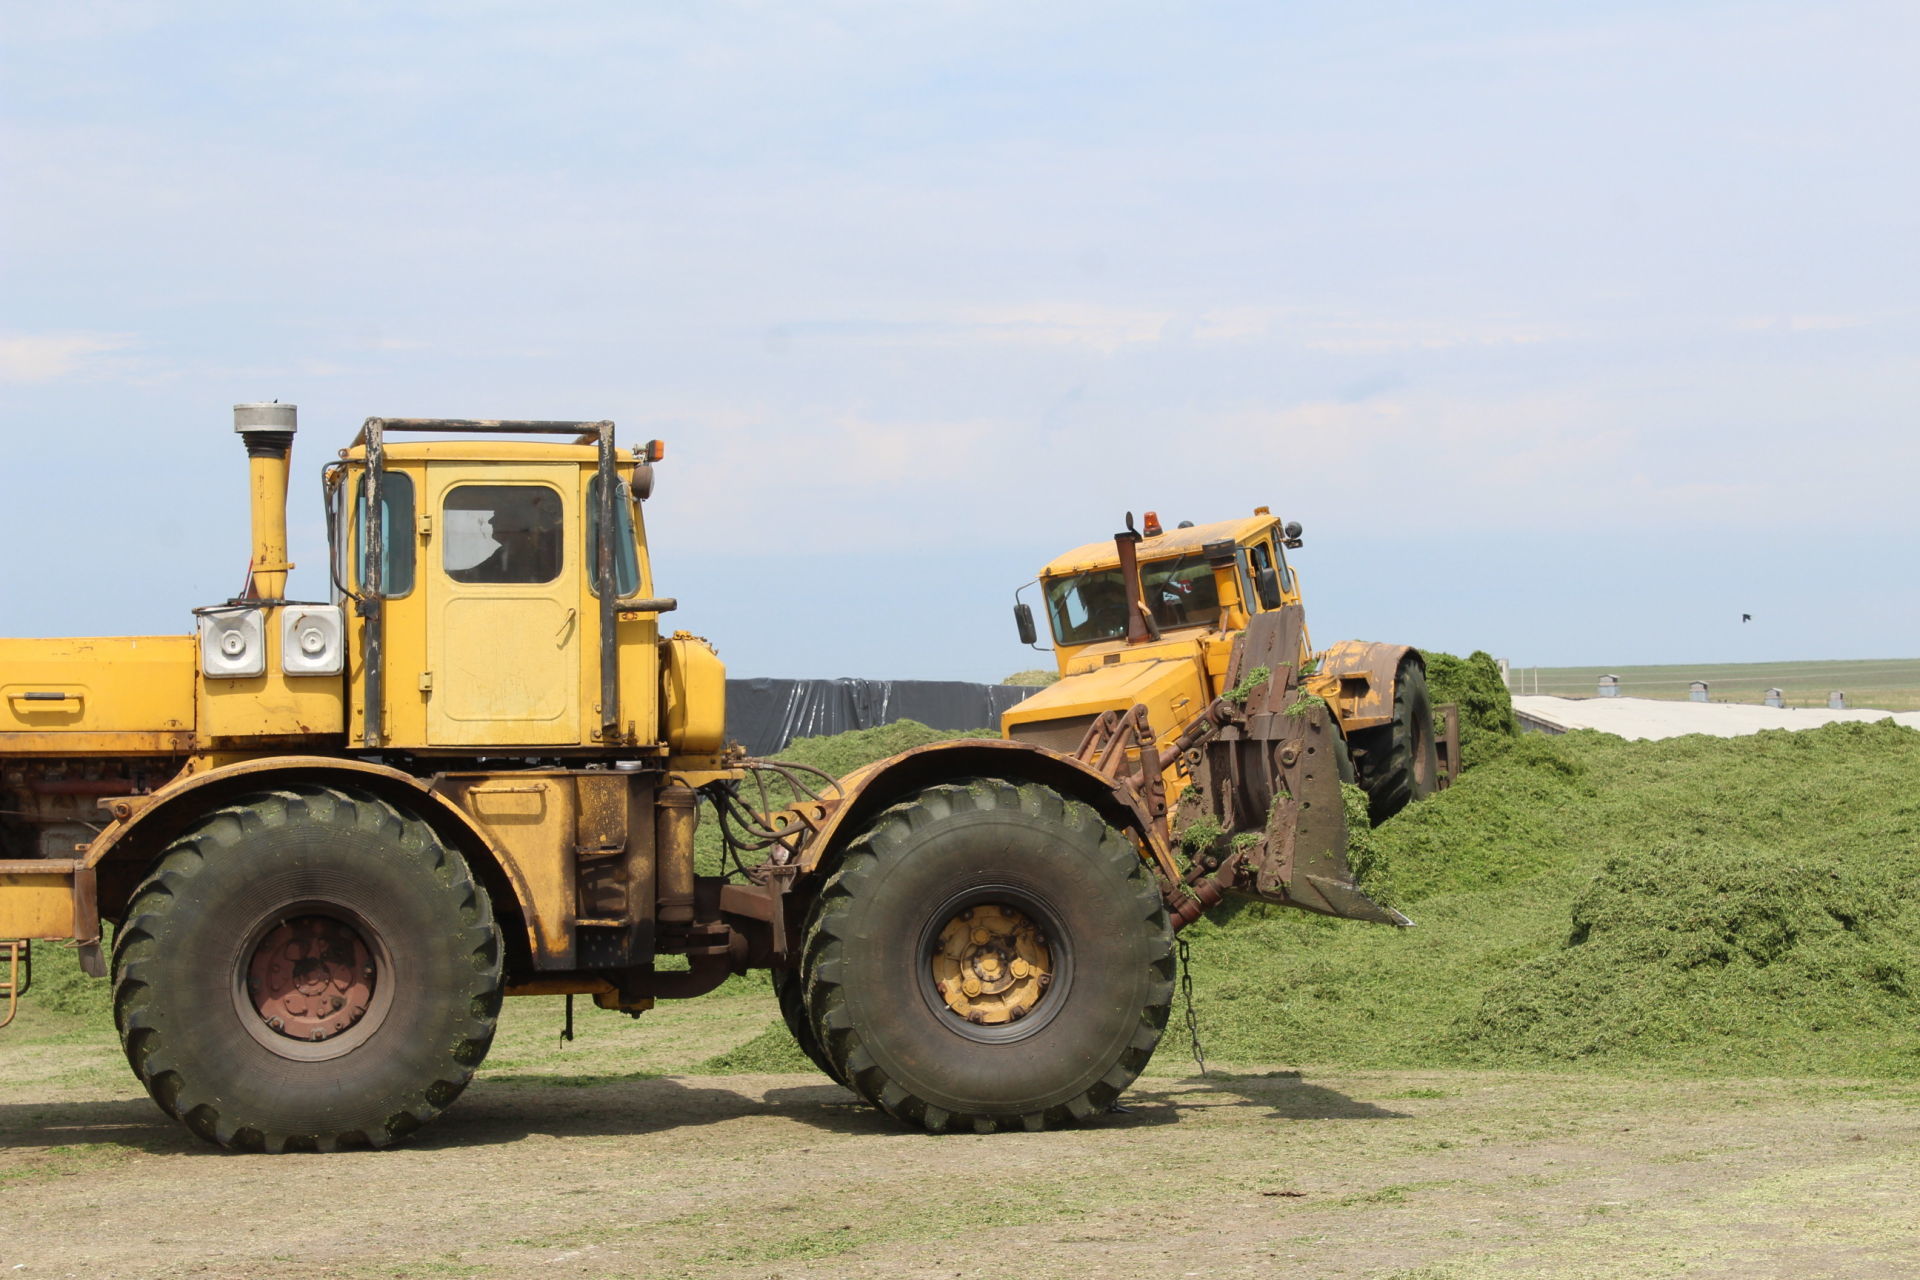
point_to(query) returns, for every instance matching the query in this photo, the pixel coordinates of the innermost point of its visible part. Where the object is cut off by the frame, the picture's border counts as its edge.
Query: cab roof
(486, 450)
(1174, 542)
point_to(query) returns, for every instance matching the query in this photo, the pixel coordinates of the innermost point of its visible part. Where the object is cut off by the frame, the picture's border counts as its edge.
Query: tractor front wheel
(989, 955)
(307, 969)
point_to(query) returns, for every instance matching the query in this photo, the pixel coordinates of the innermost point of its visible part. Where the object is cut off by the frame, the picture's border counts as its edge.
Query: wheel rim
(996, 965)
(313, 981)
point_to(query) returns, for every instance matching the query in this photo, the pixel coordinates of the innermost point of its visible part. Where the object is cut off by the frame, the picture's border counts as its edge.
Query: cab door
(505, 632)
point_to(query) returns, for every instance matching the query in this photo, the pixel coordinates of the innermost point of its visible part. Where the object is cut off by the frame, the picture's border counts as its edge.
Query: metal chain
(1193, 1020)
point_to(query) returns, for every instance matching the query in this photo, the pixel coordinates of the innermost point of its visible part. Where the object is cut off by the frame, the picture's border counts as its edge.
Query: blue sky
(1568, 332)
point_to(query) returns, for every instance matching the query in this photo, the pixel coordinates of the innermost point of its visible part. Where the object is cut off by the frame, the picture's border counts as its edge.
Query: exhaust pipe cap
(272, 416)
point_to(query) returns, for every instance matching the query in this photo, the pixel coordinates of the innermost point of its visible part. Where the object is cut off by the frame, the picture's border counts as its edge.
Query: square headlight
(313, 640)
(233, 643)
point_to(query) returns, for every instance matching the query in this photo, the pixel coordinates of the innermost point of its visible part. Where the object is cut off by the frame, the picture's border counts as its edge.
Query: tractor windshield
(1087, 608)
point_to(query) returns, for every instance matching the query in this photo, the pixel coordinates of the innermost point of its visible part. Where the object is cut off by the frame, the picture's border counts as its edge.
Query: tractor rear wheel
(1398, 763)
(307, 969)
(989, 955)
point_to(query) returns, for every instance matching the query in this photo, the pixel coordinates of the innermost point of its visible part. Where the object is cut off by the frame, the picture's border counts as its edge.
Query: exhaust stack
(268, 431)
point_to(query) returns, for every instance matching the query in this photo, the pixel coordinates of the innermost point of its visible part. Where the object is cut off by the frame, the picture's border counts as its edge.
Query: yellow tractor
(332, 835)
(1192, 643)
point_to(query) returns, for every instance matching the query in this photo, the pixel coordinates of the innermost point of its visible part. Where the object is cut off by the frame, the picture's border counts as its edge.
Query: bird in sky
(1746, 617)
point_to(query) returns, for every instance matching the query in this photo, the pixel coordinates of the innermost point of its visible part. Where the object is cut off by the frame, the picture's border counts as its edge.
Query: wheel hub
(311, 978)
(991, 964)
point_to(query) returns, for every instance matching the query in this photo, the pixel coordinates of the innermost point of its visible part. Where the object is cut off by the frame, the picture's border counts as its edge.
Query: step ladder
(16, 975)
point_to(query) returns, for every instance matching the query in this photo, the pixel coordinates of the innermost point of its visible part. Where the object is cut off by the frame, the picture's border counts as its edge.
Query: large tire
(1398, 763)
(307, 969)
(1077, 940)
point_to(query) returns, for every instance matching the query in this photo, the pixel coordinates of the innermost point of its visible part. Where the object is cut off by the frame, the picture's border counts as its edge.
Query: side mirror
(1267, 582)
(1023, 619)
(1292, 532)
(642, 481)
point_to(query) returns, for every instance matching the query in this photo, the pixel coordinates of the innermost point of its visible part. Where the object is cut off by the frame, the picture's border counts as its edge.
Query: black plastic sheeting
(764, 715)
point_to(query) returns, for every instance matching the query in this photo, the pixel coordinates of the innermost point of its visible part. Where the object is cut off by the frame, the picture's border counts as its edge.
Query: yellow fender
(868, 791)
(1356, 678)
(149, 823)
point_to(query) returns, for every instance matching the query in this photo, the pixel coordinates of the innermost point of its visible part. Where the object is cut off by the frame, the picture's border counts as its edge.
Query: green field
(1886, 684)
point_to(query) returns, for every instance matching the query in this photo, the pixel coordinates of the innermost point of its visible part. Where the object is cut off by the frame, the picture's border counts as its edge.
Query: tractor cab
(504, 597)
(1126, 599)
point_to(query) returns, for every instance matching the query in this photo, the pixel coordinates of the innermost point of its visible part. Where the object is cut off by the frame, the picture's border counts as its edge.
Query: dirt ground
(597, 1160)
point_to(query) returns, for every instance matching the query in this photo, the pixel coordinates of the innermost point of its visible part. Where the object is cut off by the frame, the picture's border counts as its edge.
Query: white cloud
(1073, 324)
(45, 357)
(1236, 324)
(1365, 336)
(1820, 324)
(1800, 323)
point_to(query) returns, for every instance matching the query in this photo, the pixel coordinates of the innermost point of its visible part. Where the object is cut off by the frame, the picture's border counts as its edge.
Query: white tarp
(1641, 718)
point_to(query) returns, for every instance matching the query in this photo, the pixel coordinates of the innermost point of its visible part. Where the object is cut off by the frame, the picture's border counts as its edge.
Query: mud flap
(1278, 774)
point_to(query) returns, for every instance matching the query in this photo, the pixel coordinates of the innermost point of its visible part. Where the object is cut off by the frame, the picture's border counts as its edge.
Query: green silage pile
(1486, 708)
(842, 753)
(1740, 906)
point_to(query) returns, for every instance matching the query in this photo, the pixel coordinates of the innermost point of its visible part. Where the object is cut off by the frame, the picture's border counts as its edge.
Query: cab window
(1087, 608)
(396, 534)
(1261, 558)
(626, 561)
(502, 533)
(1181, 593)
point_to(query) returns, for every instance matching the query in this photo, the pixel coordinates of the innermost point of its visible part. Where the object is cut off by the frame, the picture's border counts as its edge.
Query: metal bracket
(1448, 744)
(17, 956)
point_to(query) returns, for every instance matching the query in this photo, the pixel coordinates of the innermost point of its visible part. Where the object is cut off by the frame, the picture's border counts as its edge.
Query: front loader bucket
(1302, 859)
(1278, 775)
